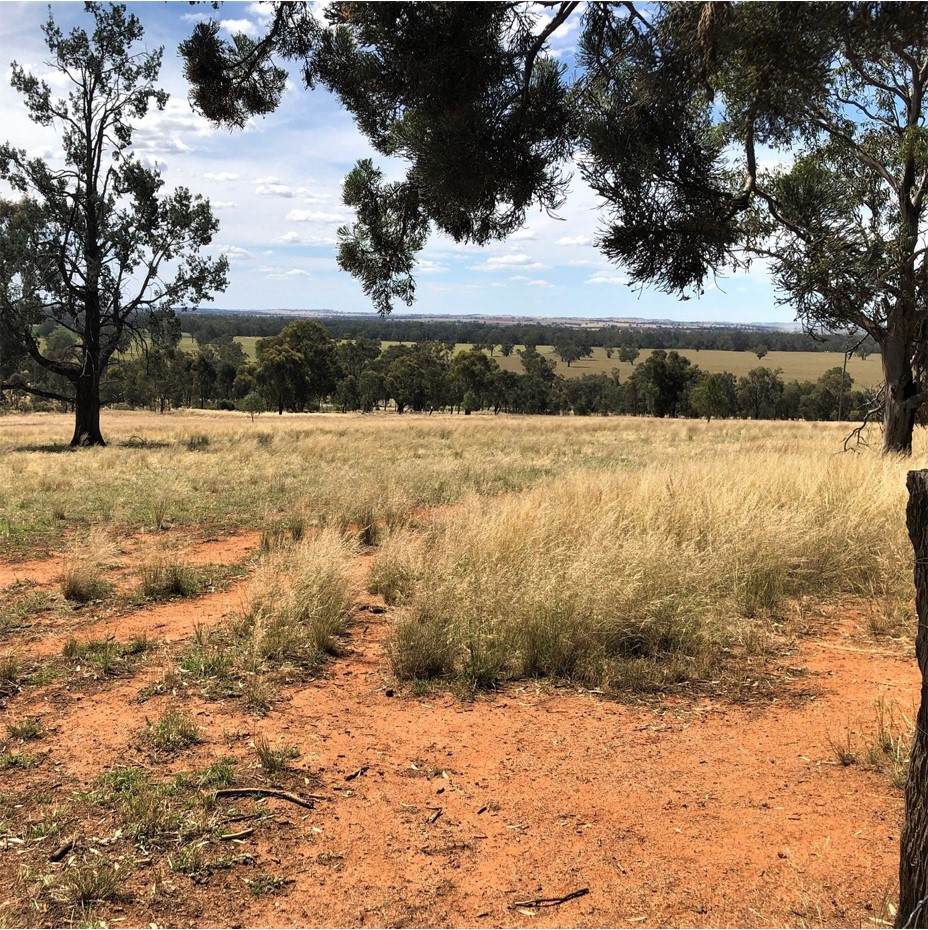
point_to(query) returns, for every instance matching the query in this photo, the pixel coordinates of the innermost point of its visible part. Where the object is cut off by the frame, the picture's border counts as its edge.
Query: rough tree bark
(913, 860)
(87, 410)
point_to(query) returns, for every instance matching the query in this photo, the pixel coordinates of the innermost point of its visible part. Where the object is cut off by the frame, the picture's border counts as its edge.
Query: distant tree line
(302, 368)
(206, 327)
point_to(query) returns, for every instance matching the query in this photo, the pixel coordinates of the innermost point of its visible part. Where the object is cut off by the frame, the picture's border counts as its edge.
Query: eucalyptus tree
(92, 244)
(674, 112)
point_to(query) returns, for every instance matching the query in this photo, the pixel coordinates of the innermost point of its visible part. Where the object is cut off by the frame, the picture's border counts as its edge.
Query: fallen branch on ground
(551, 902)
(307, 801)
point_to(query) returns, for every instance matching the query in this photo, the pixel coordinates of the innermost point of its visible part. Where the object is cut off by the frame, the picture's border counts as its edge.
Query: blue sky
(276, 188)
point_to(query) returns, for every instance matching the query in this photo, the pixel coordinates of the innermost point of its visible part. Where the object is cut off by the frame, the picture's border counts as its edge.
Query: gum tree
(673, 108)
(94, 246)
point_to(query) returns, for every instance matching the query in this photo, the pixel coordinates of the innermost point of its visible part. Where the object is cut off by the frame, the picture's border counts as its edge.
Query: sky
(276, 189)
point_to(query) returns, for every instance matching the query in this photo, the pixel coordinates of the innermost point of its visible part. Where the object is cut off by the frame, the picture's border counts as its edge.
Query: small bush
(16, 760)
(890, 748)
(28, 729)
(90, 884)
(107, 657)
(82, 581)
(264, 884)
(9, 672)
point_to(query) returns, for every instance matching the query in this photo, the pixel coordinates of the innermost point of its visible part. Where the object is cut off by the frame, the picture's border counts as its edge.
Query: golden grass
(795, 366)
(326, 469)
(299, 602)
(641, 577)
(635, 553)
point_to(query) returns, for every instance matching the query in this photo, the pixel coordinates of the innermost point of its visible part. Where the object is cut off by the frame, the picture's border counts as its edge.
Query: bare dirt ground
(681, 811)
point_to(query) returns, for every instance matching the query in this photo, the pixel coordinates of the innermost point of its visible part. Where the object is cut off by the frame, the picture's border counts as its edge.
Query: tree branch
(39, 392)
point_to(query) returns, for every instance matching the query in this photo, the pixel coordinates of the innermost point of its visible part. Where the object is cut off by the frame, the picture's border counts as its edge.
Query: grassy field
(316, 607)
(798, 366)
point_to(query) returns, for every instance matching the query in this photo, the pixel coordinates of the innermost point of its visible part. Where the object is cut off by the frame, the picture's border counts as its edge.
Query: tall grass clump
(299, 602)
(163, 578)
(637, 579)
(397, 566)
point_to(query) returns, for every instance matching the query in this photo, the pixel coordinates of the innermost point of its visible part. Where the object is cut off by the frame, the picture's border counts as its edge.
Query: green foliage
(299, 367)
(119, 228)
(715, 396)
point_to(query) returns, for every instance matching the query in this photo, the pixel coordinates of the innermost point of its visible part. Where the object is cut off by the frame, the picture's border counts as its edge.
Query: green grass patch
(171, 733)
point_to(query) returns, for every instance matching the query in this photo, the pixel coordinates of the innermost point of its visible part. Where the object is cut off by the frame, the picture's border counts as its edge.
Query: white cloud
(506, 262)
(166, 131)
(221, 176)
(223, 204)
(312, 197)
(239, 25)
(525, 233)
(574, 240)
(605, 277)
(540, 282)
(314, 216)
(295, 238)
(234, 253)
(263, 12)
(270, 179)
(271, 271)
(45, 152)
(425, 266)
(582, 262)
(273, 190)
(152, 161)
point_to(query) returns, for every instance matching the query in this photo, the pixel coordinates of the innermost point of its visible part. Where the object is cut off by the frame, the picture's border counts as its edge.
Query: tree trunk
(913, 858)
(899, 386)
(87, 410)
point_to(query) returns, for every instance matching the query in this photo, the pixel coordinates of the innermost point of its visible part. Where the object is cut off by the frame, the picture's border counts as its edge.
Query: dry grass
(397, 566)
(299, 602)
(639, 552)
(319, 470)
(166, 578)
(641, 578)
(83, 567)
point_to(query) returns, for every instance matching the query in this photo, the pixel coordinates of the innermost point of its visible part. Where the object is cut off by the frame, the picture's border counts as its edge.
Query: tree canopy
(709, 146)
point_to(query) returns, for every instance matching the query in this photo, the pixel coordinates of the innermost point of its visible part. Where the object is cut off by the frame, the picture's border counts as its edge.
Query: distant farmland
(796, 366)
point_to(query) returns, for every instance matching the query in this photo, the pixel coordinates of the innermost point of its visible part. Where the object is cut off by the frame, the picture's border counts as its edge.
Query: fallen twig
(63, 850)
(237, 836)
(551, 902)
(357, 774)
(307, 801)
(436, 813)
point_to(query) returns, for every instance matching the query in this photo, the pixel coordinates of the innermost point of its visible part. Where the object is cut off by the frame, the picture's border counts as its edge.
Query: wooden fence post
(913, 859)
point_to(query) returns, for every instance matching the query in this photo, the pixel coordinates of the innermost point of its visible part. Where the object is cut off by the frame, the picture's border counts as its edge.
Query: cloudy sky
(276, 188)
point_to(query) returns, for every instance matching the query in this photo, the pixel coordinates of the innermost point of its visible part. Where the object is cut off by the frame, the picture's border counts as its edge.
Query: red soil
(683, 812)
